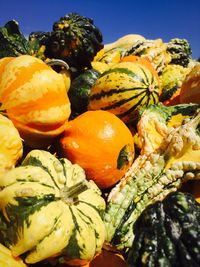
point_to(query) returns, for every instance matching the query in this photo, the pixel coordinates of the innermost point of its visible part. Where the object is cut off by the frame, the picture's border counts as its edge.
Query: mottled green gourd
(13, 43)
(49, 210)
(74, 39)
(180, 51)
(152, 177)
(167, 234)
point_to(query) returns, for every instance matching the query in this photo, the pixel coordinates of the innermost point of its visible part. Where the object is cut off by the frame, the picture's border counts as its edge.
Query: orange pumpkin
(34, 97)
(101, 144)
(190, 89)
(105, 259)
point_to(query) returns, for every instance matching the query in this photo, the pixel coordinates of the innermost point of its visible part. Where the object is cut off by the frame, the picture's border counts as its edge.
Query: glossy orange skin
(94, 140)
(107, 259)
(104, 259)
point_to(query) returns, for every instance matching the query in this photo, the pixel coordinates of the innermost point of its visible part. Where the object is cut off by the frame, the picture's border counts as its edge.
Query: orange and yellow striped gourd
(34, 97)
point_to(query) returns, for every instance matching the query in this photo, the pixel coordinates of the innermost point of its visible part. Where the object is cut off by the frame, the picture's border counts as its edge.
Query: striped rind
(32, 93)
(124, 89)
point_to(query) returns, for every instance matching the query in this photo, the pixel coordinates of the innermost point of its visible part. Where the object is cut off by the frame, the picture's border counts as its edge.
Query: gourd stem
(70, 194)
(57, 62)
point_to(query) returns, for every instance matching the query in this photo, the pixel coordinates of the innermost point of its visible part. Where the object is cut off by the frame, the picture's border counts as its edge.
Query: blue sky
(152, 19)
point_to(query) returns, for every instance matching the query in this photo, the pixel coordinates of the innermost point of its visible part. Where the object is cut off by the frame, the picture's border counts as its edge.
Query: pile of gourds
(53, 212)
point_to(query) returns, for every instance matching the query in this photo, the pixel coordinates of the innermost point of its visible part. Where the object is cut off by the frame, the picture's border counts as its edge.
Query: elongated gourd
(152, 177)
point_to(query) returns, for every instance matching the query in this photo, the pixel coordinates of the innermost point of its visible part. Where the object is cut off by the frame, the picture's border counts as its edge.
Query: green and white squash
(152, 177)
(167, 234)
(48, 209)
(124, 89)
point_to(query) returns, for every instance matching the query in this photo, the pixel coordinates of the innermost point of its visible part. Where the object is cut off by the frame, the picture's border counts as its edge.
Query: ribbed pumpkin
(34, 97)
(49, 210)
(124, 89)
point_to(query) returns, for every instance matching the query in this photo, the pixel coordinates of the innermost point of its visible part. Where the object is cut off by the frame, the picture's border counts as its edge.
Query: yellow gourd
(11, 148)
(7, 260)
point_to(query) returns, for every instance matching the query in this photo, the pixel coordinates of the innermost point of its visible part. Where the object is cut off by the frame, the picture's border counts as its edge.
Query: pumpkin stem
(70, 194)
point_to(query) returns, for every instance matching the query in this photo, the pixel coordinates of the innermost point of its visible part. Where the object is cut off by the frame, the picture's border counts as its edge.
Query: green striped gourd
(124, 89)
(152, 177)
(48, 209)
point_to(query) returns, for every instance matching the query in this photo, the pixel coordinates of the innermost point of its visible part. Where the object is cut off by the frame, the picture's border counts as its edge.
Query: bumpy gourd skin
(49, 209)
(74, 39)
(153, 50)
(180, 51)
(167, 234)
(152, 177)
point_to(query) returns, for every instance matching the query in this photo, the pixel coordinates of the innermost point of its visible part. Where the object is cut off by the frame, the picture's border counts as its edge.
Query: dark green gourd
(180, 51)
(168, 234)
(74, 39)
(79, 90)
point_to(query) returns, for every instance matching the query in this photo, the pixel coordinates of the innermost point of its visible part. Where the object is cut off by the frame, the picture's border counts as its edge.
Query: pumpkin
(107, 258)
(152, 176)
(35, 99)
(141, 60)
(48, 210)
(7, 259)
(167, 234)
(190, 89)
(11, 147)
(101, 144)
(124, 89)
